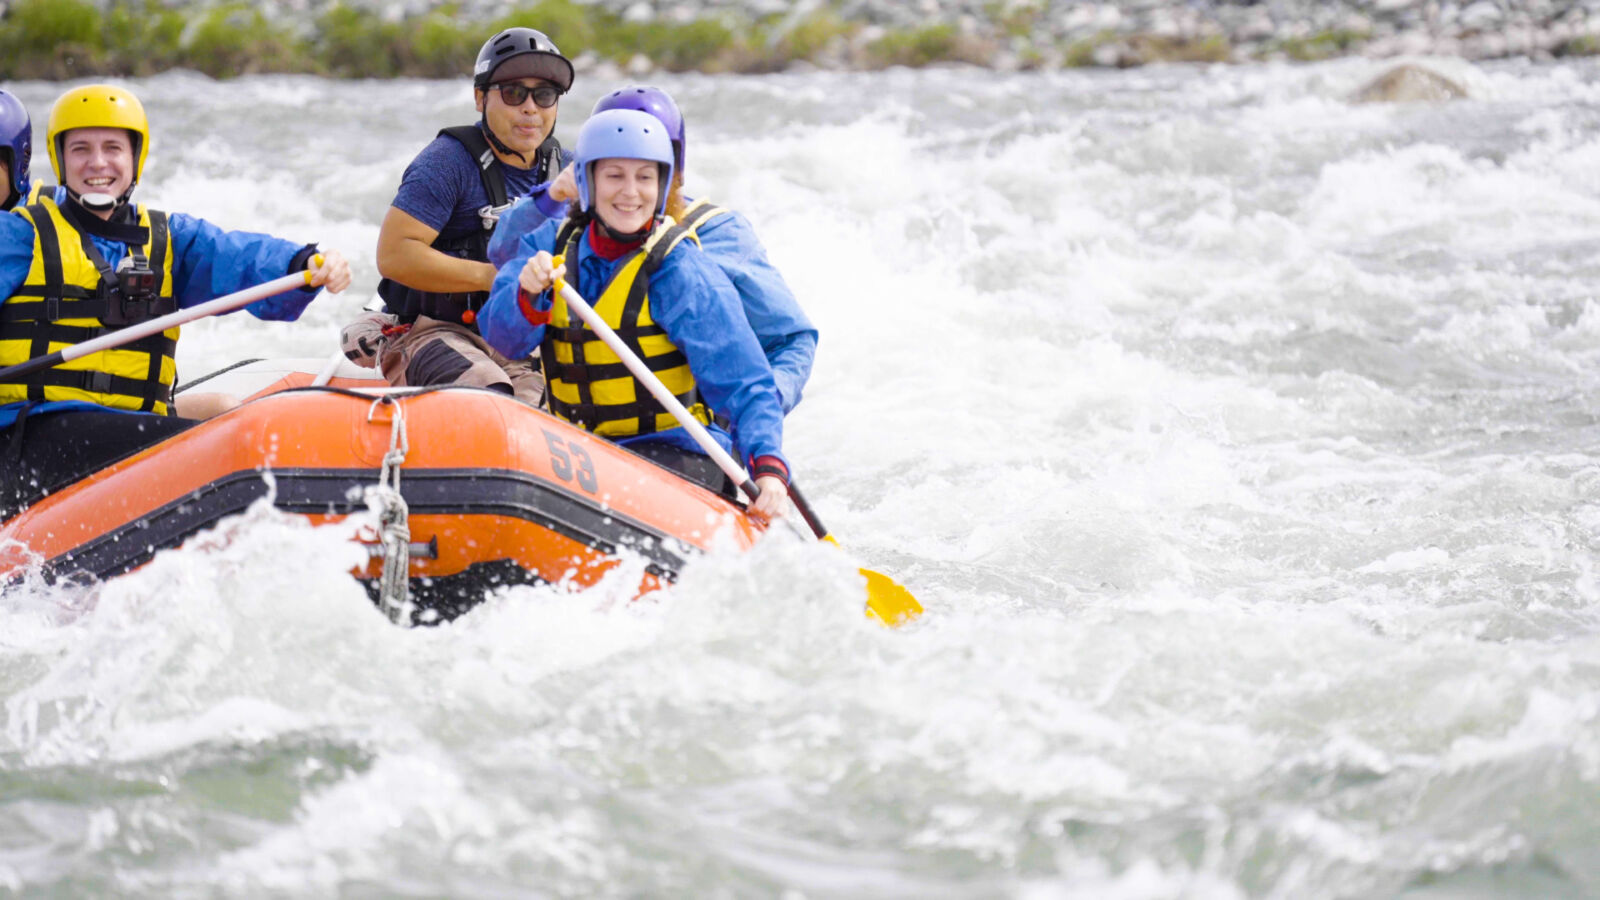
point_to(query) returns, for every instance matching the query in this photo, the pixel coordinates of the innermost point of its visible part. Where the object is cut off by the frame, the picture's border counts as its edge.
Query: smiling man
(95, 263)
(433, 245)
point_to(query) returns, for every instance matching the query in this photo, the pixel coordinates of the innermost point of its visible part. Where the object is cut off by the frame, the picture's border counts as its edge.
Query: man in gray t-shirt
(433, 244)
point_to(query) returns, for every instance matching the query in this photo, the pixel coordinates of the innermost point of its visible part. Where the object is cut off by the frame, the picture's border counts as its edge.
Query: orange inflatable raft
(495, 492)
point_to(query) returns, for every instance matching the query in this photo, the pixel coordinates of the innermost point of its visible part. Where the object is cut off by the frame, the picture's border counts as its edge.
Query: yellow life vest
(72, 295)
(588, 384)
(36, 190)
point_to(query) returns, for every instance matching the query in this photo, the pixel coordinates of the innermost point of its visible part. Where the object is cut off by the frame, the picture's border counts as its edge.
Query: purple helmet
(16, 145)
(654, 101)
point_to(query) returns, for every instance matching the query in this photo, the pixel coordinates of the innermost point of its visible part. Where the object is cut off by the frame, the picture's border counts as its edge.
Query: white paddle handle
(189, 314)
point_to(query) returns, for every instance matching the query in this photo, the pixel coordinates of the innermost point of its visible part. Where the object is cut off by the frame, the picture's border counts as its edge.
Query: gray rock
(1409, 83)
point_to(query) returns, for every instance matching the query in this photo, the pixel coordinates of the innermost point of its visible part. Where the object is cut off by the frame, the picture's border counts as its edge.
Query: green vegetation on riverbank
(73, 38)
(59, 39)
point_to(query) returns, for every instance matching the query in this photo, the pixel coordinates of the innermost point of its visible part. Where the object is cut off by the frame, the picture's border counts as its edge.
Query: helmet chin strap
(627, 238)
(96, 202)
(100, 202)
(494, 139)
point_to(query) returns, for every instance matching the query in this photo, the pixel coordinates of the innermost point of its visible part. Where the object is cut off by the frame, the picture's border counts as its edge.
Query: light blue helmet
(622, 134)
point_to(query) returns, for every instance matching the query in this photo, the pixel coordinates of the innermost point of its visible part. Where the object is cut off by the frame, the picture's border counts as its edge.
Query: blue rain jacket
(699, 309)
(787, 337)
(207, 263)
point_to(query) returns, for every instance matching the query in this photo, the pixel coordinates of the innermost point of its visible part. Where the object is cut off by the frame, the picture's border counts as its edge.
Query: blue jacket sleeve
(500, 321)
(787, 337)
(524, 217)
(209, 262)
(699, 309)
(16, 253)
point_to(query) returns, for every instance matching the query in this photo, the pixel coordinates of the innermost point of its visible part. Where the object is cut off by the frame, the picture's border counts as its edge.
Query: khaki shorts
(435, 352)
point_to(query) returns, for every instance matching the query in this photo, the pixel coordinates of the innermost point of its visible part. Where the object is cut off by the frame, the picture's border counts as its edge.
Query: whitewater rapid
(1236, 437)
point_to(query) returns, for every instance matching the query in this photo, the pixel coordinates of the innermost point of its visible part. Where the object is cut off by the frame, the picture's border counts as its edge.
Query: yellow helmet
(98, 106)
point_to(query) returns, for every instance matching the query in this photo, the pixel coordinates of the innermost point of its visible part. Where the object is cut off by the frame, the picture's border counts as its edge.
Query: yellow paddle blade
(887, 600)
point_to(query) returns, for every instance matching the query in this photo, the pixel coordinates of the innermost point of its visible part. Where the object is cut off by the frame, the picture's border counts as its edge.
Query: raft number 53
(561, 461)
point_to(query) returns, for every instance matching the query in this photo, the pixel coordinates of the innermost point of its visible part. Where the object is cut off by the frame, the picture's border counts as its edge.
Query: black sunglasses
(515, 94)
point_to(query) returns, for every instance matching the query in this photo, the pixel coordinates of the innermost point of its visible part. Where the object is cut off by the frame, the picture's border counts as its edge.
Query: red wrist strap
(769, 465)
(525, 303)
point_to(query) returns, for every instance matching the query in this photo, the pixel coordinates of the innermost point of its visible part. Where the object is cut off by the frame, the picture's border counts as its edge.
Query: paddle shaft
(648, 378)
(807, 513)
(890, 602)
(154, 326)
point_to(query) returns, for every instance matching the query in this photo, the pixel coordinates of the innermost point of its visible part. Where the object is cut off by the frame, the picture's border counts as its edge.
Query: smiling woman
(627, 193)
(672, 306)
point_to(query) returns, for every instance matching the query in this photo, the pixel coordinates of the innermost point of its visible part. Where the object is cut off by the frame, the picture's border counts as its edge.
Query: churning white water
(1236, 437)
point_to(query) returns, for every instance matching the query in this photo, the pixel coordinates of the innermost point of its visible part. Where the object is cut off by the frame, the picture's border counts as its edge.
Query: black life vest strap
(44, 226)
(546, 159)
(658, 249)
(645, 409)
(158, 248)
(578, 332)
(70, 301)
(158, 307)
(149, 392)
(57, 333)
(477, 146)
(566, 238)
(576, 372)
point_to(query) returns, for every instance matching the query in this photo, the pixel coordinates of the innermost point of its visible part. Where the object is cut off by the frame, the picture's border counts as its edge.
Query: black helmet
(521, 53)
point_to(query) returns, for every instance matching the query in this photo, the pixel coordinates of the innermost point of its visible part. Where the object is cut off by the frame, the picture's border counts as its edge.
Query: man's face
(5, 181)
(97, 160)
(522, 127)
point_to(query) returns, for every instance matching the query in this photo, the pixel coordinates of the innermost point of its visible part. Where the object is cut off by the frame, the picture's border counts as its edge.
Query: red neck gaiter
(608, 248)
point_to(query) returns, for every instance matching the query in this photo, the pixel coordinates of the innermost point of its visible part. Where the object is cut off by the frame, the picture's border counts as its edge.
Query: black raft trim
(501, 492)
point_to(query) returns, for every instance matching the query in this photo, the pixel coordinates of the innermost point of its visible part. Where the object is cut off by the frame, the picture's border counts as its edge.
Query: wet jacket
(698, 308)
(207, 262)
(787, 337)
